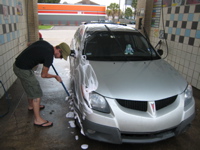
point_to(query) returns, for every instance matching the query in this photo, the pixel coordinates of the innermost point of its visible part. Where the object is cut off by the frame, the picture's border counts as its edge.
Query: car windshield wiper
(117, 41)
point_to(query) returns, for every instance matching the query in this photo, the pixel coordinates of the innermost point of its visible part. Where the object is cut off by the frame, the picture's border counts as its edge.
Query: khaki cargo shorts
(29, 82)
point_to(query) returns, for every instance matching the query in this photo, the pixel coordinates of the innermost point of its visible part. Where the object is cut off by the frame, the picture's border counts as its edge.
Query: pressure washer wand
(61, 82)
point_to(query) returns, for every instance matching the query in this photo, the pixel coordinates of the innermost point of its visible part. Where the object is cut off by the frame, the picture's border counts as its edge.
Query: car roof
(112, 27)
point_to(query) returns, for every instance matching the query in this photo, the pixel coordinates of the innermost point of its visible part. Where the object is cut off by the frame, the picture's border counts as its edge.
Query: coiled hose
(8, 101)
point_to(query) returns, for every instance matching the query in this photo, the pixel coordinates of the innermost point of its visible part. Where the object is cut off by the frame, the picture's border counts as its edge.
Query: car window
(118, 46)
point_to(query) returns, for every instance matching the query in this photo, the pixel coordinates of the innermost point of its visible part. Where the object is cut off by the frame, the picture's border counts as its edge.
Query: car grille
(142, 105)
(139, 137)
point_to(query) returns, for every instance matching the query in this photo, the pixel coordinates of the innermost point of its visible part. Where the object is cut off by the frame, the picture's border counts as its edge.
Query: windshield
(118, 46)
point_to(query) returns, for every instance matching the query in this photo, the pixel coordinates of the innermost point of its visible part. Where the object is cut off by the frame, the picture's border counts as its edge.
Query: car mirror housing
(73, 53)
(160, 52)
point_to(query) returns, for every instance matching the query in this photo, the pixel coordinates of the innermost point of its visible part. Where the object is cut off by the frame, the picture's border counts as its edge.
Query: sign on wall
(155, 21)
(19, 9)
(5, 12)
(178, 2)
(169, 3)
(193, 2)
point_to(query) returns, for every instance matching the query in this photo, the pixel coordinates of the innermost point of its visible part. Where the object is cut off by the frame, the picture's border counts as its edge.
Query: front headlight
(188, 94)
(99, 103)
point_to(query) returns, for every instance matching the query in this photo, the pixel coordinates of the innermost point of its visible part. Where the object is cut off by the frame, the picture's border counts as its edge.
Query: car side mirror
(73, 53)
(160, 52)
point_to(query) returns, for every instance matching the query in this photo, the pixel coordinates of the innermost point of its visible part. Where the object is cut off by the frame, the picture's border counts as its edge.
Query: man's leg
(37, 118)
(30, 105)
(28, 80)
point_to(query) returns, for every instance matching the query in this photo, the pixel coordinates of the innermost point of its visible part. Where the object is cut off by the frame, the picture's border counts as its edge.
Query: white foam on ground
(72, 124)
(84, 146)
(70, 115)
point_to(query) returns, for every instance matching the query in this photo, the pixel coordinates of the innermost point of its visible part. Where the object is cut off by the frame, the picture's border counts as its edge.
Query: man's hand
(58, 78)
(45, 74)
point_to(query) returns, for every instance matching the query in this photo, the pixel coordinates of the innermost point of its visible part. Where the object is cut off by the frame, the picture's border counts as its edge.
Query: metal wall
(66, 19)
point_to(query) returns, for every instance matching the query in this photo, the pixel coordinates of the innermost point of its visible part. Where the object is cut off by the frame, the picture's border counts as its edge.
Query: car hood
(138, 80)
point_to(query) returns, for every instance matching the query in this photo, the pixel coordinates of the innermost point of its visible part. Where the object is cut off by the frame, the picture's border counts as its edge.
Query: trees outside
(109, 12)
(134, 5)
(113, 10)
(128, 13)
(48, 1)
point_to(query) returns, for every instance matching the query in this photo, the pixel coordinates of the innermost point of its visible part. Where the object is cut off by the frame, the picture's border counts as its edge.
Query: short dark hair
(57, 47)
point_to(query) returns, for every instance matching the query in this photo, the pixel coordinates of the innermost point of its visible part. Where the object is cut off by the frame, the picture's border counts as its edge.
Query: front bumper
(113, 135)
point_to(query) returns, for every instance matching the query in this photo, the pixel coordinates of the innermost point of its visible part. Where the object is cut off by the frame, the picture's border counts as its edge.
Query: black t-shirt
(40, 52)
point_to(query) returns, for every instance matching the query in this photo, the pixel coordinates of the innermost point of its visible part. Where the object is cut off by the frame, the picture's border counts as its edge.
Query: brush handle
(61, 82)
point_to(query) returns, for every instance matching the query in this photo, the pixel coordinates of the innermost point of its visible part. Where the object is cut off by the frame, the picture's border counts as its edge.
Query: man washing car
(40, 52)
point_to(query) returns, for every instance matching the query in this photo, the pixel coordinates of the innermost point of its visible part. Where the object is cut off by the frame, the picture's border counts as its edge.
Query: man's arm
(45, 74)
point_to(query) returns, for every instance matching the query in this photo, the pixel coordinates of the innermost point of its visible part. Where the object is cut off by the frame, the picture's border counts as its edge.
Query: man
(40, 52)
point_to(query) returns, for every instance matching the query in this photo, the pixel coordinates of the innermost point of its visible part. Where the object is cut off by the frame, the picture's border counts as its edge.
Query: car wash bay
(18, 132)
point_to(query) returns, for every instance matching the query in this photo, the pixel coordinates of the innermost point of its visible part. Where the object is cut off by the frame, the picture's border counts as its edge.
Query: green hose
(8, 102)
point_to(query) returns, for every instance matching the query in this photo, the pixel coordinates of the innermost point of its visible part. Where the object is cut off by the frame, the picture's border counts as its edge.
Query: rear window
(118, 46)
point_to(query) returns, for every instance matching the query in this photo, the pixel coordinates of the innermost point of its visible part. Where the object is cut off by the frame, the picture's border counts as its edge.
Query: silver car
(123, 91)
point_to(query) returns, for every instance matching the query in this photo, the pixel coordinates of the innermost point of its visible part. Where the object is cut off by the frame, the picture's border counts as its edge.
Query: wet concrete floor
(17, 131)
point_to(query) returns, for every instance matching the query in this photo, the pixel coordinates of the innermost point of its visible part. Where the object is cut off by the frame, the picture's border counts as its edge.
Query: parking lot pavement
(59, 34)
(17, 130)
